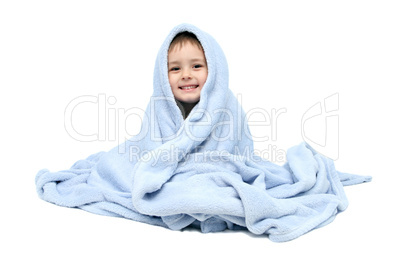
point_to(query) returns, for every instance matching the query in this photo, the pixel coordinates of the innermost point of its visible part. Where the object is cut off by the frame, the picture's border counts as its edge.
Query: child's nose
(186, 74)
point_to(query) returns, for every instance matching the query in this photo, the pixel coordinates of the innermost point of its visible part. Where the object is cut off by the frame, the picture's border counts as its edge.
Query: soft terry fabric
(201, 172)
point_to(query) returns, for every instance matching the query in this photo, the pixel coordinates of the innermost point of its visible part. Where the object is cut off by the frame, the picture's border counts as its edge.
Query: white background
(282, 54)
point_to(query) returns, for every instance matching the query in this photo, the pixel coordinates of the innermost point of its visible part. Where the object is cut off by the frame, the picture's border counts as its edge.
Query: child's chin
(190, 100)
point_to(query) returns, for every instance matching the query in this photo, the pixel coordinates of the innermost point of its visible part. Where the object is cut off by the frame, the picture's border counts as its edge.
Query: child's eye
(197, 66)
(175, 69)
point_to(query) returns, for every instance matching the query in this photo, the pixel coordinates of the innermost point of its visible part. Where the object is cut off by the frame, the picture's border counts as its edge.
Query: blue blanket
(201, 171)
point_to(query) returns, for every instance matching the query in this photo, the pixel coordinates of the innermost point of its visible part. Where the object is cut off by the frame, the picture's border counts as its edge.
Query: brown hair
(184, 37)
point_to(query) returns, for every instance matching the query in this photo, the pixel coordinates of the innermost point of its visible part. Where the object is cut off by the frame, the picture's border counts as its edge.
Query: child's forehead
(186, 53)
(187, 45)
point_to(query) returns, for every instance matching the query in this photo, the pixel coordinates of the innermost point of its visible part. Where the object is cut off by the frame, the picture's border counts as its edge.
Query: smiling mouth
(188, 87)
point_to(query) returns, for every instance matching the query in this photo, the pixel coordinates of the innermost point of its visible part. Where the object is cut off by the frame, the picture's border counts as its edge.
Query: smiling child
(187, 70)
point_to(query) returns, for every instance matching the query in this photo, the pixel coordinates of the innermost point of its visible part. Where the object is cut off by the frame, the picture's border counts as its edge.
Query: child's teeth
(189, 87)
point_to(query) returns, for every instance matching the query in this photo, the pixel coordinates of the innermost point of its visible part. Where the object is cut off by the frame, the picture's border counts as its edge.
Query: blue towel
(201, 171)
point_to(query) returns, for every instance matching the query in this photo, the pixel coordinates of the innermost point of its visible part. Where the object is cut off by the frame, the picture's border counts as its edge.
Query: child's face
(187, 72)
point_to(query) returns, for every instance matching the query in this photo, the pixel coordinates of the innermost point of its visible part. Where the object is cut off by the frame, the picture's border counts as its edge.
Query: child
(187, 69)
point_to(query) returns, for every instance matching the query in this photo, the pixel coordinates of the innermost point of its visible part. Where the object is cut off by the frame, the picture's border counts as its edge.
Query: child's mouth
(188, 87)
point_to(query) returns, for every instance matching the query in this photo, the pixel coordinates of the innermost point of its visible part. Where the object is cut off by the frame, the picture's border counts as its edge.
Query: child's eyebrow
(173, 62)
(191, 60)
(197, 60)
